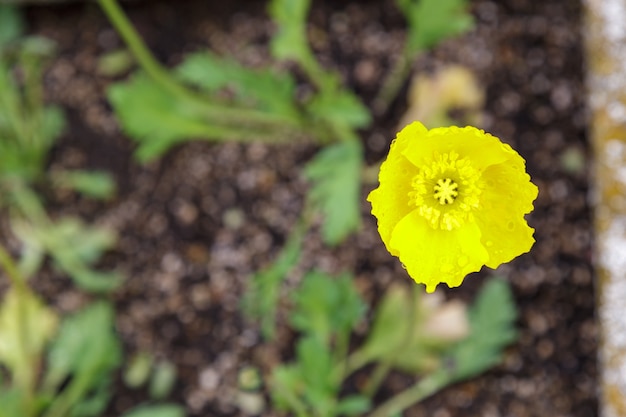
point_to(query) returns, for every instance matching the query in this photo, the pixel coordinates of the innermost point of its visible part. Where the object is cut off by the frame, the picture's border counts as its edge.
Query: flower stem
(424, 388)
(393, 82)
(163, 77)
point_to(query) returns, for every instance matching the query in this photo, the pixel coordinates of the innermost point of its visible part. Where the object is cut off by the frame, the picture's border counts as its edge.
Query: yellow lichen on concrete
(606, 74)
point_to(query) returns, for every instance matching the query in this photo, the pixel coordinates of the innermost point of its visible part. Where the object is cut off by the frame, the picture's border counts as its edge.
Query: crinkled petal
(468, 142)
(508, 195)
(390, 201)
(432, 256)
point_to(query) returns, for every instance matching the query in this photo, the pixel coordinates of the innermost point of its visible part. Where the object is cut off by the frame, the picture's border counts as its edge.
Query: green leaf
(11, 24)
(37, 47)
(52, 125)
(26, 326)
(262, 295)
(290, 41)
(324, 305)
(89, 242)
(287, 387)
(492, 321)
(162, 410)
(94, 184)
(115, 63)
(336, 176)
(353, 405)
(341, 108)
(12, 401)
(94, 403)
(264, 88)
(73, 246)
(86, 343)
(87, 351)
(431, 21)
(163, 380)
(391, 324)
(316, 367)
(138, 370)
(155, 117)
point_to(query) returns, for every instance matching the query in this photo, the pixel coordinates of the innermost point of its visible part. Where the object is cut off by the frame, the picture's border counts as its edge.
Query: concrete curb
(605, 38)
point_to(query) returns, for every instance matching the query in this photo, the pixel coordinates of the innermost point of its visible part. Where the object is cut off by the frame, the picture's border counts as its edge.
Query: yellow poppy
(451, 200)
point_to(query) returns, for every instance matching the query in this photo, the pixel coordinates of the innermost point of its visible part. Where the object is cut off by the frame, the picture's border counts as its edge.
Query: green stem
(322, 79)
(63, 402)
(340, 354)
(424, 388)
(393, 82)
(355, 361)
(220, 113)
(378, 376)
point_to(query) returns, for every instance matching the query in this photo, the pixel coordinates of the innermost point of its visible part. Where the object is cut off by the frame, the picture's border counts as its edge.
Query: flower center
(446, 191)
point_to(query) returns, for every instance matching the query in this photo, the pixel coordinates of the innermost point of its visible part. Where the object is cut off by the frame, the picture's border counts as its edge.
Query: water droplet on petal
(510, 226)
(489, 243)
(462, 261)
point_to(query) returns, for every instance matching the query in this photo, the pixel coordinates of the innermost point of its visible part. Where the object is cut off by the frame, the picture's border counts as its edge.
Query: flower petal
(508, 196)
(468, 142)
(390, 201)
(432, 256)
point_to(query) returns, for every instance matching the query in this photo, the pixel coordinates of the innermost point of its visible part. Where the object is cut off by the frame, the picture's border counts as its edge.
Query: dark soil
(194, 225)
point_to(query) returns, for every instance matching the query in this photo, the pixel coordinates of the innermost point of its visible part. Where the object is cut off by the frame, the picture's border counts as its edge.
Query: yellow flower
(451, 200)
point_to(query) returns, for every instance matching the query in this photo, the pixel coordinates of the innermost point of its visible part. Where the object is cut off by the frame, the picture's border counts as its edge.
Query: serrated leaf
(340, 108)
(87, 243)
(26, 326)
(336, 176)
(287, 386)
(262, 295)
(74, 247)
(431, 21)
(492, 322)
(324, 305)
(158, 119)
(316, 367)
(161, 410)
(266, 89)
(307, 384)
(289, 41)
(155, 117)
